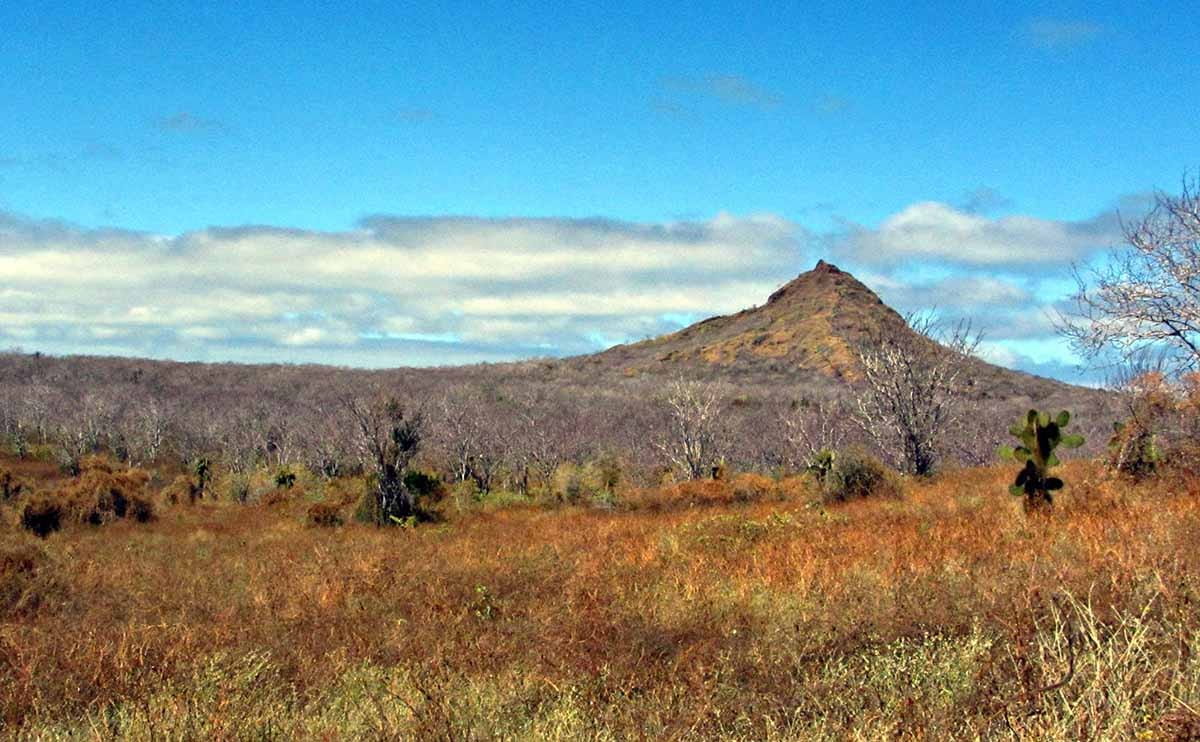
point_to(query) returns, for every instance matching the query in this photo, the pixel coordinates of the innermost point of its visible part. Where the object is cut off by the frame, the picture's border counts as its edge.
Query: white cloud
(1005, 274)
(395, 290)
(306, 336)
(998, 354)
(935, 231)
(954, 292)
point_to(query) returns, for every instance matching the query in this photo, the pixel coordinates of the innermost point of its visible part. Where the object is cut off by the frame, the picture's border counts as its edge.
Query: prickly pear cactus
(1040, 435)
(821, 464)
(202, 468)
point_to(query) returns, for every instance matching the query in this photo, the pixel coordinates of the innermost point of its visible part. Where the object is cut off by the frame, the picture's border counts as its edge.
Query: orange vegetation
(942, 614)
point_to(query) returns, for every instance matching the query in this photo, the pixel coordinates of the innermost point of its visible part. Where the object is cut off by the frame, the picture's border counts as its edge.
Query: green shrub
(67, 460)
(1134, 450)
(595, 481)
(608, 468)
(239, 488)
(18, 445)
(853, 474)
(369, 510)
(576, 487)
(424, 490)
(425, 487)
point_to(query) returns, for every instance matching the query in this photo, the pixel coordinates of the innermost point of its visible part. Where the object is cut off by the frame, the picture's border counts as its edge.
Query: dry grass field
(721, 610)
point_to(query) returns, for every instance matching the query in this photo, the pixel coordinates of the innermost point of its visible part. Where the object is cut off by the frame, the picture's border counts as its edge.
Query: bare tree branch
(913, 390)
(1147, 298)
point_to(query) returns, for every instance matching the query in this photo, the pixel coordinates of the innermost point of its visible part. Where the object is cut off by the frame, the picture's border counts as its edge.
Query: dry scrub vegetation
(736, 609)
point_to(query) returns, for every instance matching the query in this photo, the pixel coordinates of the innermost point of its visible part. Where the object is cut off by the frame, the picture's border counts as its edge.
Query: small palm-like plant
(1040, 435)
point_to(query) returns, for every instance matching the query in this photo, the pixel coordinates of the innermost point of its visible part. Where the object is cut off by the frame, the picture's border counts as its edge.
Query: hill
(809, 331)
(800, 346)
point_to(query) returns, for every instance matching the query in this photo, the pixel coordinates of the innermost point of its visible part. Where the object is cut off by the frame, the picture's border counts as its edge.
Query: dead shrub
(27, 579)
(855, 474)
(797, 487)
(10, 486)
(1181, 724)
(324, 515)
(753, 487)
(697, 492)
(277, 496)
(42, 515)
(703, 493)
(95, 462)
(183, 490)
(141, 510)
(102, 494)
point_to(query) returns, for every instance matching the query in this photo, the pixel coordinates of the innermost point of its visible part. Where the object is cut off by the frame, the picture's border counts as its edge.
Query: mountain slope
(809, 330)
(811, 324)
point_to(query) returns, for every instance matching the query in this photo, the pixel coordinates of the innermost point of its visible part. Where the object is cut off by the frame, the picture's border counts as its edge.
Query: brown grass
(943, 614)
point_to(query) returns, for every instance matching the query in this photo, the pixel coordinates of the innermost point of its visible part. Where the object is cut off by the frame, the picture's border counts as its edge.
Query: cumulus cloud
(931, 230)
(1013, 313)
(1007, 274)
(437, 290)
(390, 291)
(969, 292)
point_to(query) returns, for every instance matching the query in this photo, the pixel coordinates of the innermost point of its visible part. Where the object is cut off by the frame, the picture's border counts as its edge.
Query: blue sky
(946, 154)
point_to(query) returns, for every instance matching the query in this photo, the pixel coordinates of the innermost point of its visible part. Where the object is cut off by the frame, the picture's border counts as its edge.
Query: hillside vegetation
(794, 361)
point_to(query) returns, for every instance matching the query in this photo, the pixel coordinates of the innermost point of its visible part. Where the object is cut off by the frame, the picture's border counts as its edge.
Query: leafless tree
(388, 438)
(41, 406)
(1147, 297)
(326, 446)
(472, 431)
(810, 427)
(85, 429)
(147, 431)
(12, 424)
(693, 419)
(538, 437)
(914, 387)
